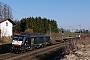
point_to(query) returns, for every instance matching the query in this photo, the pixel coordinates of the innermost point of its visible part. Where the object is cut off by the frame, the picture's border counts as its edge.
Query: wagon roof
(37, 35)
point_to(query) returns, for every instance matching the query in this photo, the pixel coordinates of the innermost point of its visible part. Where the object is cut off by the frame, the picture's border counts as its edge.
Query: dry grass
(78, 43)
(56, 36)
(5, 44)
(5, 40)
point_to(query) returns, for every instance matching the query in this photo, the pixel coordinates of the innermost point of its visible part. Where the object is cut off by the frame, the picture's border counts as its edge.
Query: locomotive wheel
(42, 46)
(32, 48)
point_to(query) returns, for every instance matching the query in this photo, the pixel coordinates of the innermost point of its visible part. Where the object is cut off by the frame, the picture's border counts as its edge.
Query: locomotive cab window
(18, 38)
(21, 38)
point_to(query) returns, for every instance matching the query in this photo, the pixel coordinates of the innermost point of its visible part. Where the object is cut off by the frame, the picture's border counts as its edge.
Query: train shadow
(5, 48)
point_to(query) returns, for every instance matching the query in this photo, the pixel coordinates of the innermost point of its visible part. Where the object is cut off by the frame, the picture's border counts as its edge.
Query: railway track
(32, 55)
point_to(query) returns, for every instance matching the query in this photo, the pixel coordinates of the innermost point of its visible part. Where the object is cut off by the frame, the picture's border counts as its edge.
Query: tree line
(35, 25)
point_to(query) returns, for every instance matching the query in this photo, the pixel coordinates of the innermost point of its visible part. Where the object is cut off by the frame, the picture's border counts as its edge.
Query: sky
(66, 12)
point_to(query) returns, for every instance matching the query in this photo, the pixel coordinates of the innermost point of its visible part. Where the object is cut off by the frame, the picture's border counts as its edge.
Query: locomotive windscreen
(18, 38)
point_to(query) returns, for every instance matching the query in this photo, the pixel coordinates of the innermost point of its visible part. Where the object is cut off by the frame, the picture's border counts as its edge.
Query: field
(55, 36)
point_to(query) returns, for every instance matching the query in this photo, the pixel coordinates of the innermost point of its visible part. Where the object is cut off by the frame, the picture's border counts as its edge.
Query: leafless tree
(5, 11)
(1, 10)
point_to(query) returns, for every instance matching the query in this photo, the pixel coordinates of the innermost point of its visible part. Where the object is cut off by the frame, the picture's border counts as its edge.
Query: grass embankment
(5, 48)
(5, 45)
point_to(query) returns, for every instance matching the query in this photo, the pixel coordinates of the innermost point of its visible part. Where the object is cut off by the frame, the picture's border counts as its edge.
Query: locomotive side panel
(27, 43)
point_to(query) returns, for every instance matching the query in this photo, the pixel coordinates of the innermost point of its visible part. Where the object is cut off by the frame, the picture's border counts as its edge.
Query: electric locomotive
(22, 43)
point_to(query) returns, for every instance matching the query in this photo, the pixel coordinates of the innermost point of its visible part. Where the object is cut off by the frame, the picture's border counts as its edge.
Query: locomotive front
(17, 43)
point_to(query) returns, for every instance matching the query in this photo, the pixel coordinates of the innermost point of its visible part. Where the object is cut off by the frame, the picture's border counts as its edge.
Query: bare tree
(5, 11)
(1, 10)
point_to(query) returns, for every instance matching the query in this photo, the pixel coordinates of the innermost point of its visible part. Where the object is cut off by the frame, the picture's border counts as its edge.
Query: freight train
(22, 43)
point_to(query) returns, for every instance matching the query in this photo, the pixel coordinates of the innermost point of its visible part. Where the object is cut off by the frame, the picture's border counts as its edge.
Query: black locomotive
(22, 43)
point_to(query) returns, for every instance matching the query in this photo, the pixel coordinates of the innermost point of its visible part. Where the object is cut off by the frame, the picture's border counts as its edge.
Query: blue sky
(65, 12)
